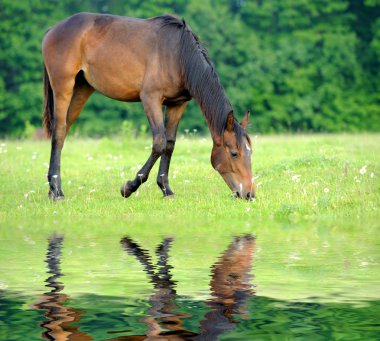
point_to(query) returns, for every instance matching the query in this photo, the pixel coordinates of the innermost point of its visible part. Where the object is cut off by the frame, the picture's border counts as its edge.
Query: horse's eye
(234, 154)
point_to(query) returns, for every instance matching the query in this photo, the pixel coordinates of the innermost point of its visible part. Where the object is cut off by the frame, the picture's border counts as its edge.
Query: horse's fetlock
(160, 181)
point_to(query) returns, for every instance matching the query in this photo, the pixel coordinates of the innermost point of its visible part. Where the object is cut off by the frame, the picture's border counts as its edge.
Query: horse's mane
(200, 77)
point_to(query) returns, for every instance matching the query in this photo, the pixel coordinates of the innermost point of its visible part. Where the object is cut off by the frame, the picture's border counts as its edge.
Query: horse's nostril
(236, 194)
(249, 196)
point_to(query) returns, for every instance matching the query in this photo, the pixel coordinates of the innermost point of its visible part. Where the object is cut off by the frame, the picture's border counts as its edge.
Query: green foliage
(298, 65)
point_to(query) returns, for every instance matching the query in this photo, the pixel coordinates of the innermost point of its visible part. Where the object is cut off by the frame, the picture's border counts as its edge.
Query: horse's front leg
(153, 110)
(172, 118)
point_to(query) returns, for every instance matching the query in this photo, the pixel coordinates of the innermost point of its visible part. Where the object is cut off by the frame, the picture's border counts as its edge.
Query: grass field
(316, 219)
(298, 178)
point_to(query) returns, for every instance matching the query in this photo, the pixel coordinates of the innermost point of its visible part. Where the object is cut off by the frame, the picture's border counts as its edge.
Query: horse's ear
(230, 121)
(245, 120)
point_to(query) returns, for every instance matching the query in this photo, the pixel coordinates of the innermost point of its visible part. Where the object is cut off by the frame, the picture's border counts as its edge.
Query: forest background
(299, 65)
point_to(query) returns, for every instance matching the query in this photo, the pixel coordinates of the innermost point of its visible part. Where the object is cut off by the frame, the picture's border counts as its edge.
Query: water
(284, 284)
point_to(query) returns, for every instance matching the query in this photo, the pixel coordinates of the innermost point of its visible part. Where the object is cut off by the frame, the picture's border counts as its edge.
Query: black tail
(48, 108)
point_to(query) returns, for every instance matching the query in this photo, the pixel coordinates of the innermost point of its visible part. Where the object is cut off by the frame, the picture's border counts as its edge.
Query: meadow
(315, 219)
(305, 178)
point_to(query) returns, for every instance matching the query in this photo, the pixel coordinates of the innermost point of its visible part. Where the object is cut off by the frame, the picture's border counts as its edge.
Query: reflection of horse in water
(58, 317)
(229, 285)
(230, 288)
(162, 322)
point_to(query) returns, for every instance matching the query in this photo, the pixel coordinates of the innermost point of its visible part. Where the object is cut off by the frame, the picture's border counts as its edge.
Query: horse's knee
(159, 145)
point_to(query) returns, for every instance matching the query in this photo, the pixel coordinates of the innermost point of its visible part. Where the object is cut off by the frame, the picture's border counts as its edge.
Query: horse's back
(83, 32)
(120, 57)
(111, 51)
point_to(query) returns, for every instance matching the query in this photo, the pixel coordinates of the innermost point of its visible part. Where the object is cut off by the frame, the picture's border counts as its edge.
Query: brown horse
(157, 61)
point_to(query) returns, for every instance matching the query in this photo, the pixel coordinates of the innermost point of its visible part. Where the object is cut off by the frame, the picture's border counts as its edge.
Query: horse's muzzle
(248, 196)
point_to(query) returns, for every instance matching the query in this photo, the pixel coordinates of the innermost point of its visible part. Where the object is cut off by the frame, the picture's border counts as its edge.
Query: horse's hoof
(125, 191)
(59, 198)
(55, 198)
(169, 197)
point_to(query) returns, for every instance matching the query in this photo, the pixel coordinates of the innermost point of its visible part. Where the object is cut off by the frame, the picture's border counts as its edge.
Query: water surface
(267, 283)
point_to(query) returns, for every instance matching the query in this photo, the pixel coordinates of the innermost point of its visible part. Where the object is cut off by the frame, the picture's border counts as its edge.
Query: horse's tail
(48, 106)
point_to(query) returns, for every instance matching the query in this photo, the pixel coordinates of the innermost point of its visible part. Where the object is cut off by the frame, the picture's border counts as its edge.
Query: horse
(157, 61)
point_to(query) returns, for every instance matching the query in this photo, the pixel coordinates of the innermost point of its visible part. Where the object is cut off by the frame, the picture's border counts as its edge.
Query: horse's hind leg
(82, 91)
(63, 91)
(172, 118)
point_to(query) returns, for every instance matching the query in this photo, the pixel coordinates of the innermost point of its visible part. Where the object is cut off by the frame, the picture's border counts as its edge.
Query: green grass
(317, 210)
(299, 178)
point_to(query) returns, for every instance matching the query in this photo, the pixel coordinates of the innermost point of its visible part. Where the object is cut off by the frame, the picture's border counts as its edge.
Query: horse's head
(231, 157)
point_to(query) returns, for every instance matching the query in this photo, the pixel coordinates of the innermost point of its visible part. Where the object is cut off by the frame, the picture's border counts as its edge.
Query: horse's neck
(213, 102)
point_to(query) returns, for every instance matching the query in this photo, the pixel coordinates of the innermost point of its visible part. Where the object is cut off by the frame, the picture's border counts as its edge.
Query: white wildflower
(296, 177)
(363, 170)
(326, 190)
(294, 256)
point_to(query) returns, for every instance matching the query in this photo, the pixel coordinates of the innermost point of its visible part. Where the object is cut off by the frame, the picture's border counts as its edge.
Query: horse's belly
(116, 84)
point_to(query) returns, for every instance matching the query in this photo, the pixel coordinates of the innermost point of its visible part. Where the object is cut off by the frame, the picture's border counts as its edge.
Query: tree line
(298, 65)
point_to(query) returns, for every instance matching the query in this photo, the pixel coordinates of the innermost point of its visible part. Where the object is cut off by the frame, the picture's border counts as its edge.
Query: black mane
(200, 77)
